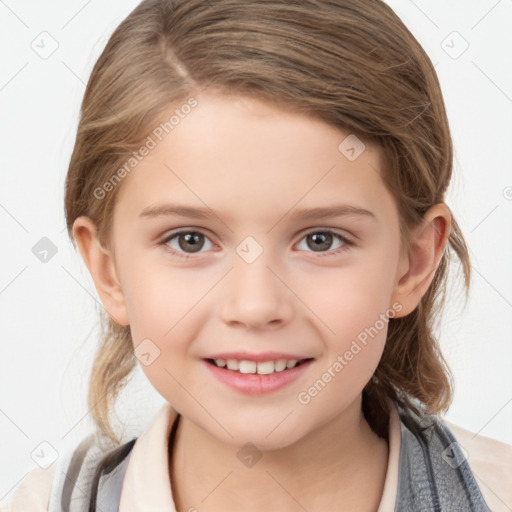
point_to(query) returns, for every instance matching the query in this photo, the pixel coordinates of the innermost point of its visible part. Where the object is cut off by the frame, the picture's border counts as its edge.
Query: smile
(253, 367)
(257, 377)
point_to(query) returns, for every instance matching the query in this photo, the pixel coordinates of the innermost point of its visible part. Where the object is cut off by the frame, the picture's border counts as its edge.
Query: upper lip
(260, 357)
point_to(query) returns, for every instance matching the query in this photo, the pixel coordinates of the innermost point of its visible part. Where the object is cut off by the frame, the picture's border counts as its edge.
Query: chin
(265, 435)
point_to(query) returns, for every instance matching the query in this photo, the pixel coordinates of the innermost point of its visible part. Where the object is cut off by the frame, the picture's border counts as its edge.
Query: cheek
(353, 305)
(157, 297)
(348, 300)
(352, 354)
(161, 324)
(163, 306)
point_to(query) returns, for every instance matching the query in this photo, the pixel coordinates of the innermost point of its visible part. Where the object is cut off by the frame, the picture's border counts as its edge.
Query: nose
(256, 296)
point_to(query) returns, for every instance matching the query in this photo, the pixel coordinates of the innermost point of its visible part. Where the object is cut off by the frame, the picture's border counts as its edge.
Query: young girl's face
(254, 276)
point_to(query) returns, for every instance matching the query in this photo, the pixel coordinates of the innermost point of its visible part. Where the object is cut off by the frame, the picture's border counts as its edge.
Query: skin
(254, 165)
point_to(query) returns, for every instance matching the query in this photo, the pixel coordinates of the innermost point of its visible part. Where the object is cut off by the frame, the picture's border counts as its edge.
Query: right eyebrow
(178, 210)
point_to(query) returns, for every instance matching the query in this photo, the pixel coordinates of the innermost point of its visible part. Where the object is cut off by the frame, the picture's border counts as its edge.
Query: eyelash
(347, 243)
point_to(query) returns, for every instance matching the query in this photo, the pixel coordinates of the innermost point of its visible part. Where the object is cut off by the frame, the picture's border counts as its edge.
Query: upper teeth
(262, 368)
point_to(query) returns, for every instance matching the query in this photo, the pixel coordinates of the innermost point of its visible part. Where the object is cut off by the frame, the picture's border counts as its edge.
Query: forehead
(242, 156)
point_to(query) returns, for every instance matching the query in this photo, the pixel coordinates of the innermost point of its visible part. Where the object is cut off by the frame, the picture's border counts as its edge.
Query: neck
(343, 461)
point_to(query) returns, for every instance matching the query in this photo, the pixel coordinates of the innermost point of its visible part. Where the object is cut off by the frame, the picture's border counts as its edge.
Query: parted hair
(350, 63)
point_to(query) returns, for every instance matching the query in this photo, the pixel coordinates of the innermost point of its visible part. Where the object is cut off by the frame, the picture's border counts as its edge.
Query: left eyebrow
(332, 211)
(304, 213)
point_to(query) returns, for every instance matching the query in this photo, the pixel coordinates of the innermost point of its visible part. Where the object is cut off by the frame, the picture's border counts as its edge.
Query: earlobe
(101, 266)
(418, 264)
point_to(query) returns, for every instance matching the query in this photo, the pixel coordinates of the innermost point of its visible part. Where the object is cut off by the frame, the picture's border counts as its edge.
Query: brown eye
(322, 241)
(188, 242)
(193, 241)
(319, 241)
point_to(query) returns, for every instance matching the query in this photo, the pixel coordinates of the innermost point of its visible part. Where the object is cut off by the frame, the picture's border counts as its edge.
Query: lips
(257, 374)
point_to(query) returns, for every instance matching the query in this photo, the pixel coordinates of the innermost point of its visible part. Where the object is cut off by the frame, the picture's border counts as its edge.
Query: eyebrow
(303, 213)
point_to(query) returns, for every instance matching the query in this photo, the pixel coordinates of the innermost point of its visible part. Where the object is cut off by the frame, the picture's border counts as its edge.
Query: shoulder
(33, 493)
(69, 477)
(451, 466)
(491, 463)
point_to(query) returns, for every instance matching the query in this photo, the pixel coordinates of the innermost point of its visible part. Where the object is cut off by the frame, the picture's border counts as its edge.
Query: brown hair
(352, 64)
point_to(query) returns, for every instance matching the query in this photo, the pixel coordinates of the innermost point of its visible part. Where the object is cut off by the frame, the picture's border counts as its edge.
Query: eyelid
(172, 234)
(341, 233)
(347, 241)
(188, 229)
(204, 232)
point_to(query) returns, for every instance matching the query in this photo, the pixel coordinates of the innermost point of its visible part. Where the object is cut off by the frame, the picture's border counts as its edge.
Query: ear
(418, 264)
(101, 265)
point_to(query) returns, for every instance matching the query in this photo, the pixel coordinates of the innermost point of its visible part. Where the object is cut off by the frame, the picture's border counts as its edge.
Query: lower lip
(254, 384)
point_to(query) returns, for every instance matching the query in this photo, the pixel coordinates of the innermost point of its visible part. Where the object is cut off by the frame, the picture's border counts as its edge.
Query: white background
(49, 310)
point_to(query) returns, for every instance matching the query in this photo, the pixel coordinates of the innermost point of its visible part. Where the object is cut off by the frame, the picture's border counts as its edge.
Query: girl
(257, 189)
